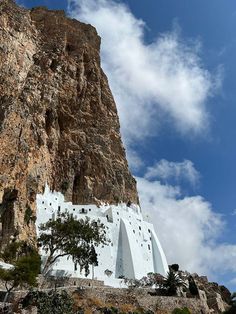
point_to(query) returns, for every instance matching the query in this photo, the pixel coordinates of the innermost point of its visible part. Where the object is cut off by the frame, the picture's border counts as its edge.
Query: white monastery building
(133, 249)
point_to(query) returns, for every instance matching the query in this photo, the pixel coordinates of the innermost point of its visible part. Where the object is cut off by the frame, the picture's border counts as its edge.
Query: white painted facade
(133, 249)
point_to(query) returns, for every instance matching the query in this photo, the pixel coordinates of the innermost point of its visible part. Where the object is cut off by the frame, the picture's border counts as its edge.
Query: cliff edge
(58, 119)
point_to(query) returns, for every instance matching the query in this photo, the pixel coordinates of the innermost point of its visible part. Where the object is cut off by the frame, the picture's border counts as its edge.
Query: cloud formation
(148, 80)
(188, 229)
(166, 170)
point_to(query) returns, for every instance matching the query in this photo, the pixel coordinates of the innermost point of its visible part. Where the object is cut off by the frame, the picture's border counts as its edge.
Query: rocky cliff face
(58, 119)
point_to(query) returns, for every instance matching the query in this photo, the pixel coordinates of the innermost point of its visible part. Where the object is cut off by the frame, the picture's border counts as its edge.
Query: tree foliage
(26, 266)
(67, 236)
(14, 250)
(172, 282)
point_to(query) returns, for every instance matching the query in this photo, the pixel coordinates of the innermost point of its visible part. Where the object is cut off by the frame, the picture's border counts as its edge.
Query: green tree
(24, 270)
(67, 236)
(14, 250)
(172, 282)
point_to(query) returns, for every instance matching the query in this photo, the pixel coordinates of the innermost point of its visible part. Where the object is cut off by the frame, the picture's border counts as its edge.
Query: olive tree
(75, 238)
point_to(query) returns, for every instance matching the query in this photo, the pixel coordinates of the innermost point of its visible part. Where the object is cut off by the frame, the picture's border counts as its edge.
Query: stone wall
(140, 298)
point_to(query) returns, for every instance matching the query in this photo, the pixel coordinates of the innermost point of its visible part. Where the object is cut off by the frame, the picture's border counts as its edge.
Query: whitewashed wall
(133, 249)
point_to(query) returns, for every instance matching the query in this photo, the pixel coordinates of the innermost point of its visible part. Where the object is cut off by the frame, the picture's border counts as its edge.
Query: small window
(141, 245)
(133, 231)
(90, 209)
(149, 230)
(50, 204)
(117, 213)
(59, 208)
(140, 228)
(150, 239)
(42, 202)
(118, 219)
(130, 222)
(149, 247)
(73, 209)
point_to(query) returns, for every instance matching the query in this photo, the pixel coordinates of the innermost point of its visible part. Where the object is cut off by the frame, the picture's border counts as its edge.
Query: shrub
(47, 303)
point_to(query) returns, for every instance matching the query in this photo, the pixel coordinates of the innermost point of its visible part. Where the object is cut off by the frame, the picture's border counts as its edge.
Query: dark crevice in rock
(48, 121)
(76, 189)
(7, 213)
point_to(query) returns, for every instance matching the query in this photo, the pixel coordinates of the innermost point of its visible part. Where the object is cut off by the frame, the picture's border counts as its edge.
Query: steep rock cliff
(58, 119)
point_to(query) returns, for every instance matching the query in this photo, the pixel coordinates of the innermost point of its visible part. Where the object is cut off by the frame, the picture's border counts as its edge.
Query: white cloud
(188, 229)
(164, 77)
(165, 170)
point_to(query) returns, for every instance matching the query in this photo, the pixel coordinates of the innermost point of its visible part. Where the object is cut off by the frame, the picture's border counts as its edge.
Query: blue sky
(184, 161)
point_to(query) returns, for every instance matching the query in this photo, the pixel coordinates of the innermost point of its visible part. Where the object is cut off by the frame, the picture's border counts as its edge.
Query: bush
(48, 303)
